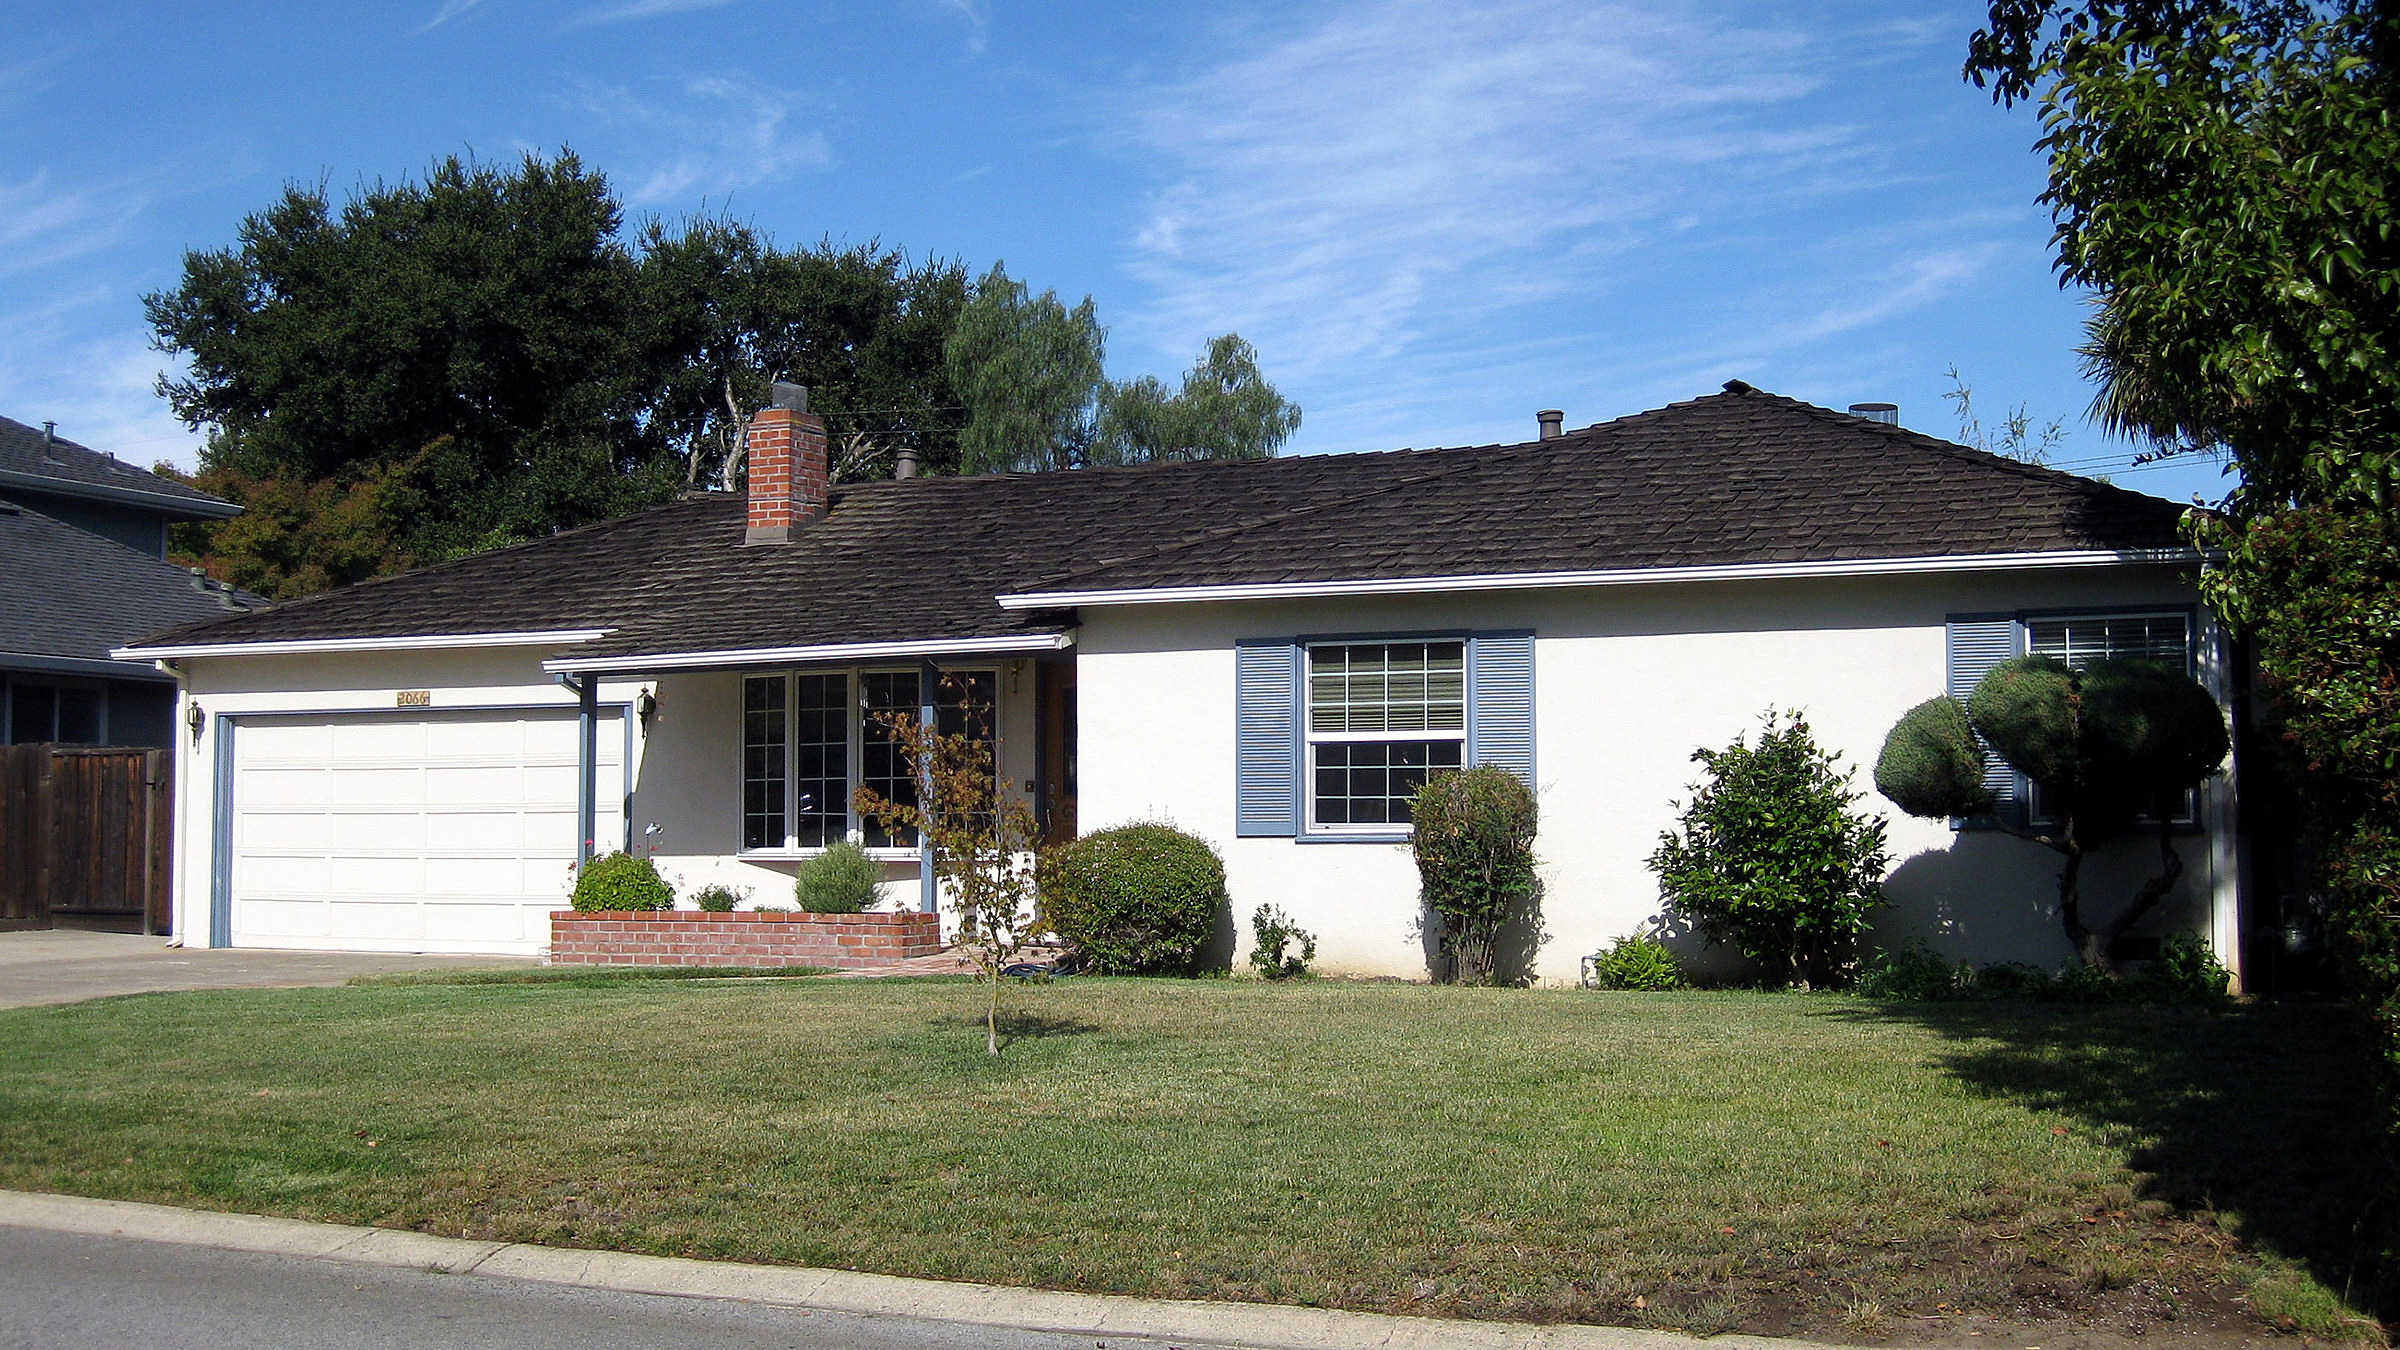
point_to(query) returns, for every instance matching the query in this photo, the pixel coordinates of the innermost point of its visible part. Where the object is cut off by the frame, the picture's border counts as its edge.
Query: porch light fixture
(195, 717)
(645, 706)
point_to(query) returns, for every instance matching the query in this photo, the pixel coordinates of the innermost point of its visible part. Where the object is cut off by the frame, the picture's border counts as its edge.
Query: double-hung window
(811, 739)
(1382, 718)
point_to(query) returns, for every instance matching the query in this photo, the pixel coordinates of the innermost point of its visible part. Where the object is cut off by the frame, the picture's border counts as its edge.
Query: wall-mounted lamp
(195, 717)
(645, 706)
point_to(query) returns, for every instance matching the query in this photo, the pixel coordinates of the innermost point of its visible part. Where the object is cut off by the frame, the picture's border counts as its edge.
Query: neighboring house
(1268, 653)
(83, 570)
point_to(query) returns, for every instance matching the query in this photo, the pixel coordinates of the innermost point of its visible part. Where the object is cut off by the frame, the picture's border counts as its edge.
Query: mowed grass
(1700, 1160)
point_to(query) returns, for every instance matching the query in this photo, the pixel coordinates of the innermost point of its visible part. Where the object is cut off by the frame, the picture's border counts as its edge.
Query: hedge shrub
(620, 881)
(1136, 899)
(1473, 840)
(1773, 858)
(841, 880)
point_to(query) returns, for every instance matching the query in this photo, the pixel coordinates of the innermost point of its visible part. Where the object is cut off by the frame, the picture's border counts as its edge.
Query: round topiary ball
(2026, 708)
(1138, 899)
(1930, 765)
(617, 881)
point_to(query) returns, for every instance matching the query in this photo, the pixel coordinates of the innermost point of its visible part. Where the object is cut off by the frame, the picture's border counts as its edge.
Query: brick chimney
(787, 466)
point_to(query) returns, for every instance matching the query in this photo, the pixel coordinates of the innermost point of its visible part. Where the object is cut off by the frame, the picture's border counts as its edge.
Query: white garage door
(433, 832)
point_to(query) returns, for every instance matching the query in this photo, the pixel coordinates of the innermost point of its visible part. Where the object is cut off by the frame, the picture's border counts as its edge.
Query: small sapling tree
(1772, 857)
(2110, 745)
(985, 842)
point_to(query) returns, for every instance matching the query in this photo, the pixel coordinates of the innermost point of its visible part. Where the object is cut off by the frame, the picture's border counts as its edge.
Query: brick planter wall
(690, 937)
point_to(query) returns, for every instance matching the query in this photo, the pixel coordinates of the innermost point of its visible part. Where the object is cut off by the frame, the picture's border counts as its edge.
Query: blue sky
(1430, 218)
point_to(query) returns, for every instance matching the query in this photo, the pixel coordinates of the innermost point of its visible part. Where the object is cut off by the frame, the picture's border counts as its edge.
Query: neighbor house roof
(1738, 478)
(37, 461)
(68, 596)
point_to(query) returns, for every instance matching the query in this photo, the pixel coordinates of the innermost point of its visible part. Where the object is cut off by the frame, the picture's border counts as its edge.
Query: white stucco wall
(684, 765)
(1628, 682)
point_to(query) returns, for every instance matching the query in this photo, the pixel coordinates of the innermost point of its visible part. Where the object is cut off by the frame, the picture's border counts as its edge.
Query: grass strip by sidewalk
(1775, 1163)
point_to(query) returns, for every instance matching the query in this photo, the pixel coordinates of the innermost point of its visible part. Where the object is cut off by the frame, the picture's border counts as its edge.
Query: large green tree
(2225, 181)
(1030, 372)
(463, 339)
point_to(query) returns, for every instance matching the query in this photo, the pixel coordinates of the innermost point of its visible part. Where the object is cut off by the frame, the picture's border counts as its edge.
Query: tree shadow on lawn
(2264, 1113)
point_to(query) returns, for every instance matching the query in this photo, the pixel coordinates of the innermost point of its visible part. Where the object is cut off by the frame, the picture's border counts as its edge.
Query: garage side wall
(1628, 682)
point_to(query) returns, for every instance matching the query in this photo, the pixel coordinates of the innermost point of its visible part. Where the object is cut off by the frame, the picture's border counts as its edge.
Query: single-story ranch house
(1269, 654)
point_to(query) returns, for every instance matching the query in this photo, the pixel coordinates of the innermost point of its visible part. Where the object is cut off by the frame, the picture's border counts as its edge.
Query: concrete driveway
(66, 965)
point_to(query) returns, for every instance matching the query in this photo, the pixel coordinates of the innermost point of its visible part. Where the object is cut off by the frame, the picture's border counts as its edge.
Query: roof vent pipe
(904, 462)
(49, 433)
(1886, 413)
(1553, 423)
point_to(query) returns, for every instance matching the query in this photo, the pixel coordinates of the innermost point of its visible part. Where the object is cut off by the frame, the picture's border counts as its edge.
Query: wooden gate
(85, 833)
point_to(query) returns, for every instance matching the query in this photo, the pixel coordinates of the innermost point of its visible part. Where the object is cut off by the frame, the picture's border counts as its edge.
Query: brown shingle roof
(1738, 477)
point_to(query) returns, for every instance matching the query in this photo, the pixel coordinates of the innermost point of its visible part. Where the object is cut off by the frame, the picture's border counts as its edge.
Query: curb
(1258, 1325)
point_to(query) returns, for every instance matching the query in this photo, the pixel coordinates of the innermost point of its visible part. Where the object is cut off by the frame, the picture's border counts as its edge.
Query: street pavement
(70, 1291)
(66, 965)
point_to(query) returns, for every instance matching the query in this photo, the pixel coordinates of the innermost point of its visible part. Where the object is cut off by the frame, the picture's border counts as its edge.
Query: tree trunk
(2170, 868)
(991, 1016)
(2090, 947)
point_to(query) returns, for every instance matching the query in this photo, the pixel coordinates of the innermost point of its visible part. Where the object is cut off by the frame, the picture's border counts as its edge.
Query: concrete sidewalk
(67, 965)
(1265, 1326)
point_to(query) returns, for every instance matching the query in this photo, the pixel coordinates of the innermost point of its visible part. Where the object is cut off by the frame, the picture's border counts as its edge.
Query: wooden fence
(85, 833)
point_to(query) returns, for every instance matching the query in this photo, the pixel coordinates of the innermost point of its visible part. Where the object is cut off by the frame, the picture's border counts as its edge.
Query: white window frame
(854, 756)
(2189, 816)
(1311, 738)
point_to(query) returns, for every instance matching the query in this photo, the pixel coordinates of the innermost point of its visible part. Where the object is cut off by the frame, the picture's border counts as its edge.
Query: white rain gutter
(1625, 576)
(850, 651)
(563, 637)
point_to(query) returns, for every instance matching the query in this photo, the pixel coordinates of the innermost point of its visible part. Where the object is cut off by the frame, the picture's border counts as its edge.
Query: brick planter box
(690, 937)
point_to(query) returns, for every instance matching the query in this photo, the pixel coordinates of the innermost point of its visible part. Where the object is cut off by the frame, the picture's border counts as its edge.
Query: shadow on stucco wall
(1216, 954)
(1988, 899)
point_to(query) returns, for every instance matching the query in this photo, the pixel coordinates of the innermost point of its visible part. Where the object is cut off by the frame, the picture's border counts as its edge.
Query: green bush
(1279, 948)
(618, 881)
(2187, 971)
(840, 880)
(1473, 839)
(1772, 859)
(1140, 899)
(1639, 961)
(1930, 765)
(718, 898)
(1911, 975)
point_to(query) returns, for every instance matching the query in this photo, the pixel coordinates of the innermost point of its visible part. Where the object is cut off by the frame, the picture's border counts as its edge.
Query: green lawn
(1773, 1162)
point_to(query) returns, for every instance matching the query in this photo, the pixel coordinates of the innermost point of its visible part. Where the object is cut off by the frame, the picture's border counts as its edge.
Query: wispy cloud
(1380, 188)
(725, 132)
(978, 20)
(630, 10)
(450, 9)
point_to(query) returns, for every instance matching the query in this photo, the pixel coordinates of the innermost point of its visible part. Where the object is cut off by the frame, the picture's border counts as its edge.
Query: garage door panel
(412, 831)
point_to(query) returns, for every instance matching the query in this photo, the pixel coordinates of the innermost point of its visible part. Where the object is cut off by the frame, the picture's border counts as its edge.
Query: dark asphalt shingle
(78, 470)
(1738, 477)
(66, 592)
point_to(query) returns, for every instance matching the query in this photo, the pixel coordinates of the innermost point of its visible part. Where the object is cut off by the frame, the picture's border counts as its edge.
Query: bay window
(811, 739)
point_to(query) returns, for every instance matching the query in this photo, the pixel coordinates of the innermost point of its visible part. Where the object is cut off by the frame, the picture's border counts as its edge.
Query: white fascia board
(564, 637)
(1625, 576)
(769, 656)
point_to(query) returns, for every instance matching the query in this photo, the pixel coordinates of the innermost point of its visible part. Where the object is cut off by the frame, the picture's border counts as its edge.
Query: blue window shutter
(1500, 702)
(1978, 642)
(1266, 738)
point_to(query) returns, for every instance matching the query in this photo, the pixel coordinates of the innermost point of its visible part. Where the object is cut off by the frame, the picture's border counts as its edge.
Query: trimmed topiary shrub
(841, 880)
(1639, 961)
(620, 881)
(1930, 763)
(1473, 839)
(1279, 948)
(1773, 857)
(1137, 899)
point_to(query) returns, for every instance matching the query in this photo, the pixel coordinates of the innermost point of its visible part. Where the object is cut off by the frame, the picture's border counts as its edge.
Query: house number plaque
(416, 698)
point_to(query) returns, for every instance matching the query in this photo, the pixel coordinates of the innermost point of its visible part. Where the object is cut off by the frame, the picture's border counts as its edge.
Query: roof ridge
(1965, 454)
